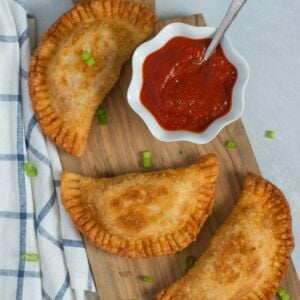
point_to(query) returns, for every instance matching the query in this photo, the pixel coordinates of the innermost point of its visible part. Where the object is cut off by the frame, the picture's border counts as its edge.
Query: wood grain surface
(115, 149)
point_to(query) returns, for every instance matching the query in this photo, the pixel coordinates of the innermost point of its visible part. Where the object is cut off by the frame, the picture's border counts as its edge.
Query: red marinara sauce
(183, 94)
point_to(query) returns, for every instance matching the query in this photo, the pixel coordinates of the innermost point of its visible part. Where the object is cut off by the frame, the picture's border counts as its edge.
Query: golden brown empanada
(249, 254)
(141, 215)
(65, 91)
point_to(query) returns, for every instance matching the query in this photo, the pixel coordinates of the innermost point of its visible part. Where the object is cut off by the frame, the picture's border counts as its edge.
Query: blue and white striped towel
(32, 218)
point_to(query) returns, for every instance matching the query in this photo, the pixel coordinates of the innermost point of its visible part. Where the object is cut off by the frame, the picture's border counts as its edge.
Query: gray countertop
(267, 34)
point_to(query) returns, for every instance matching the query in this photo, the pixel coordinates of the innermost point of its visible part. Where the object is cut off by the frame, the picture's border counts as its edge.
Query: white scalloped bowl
(134, 90)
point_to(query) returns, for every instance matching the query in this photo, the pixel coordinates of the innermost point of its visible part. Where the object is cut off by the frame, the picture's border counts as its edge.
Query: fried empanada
(249, 254)
(140, 215)
(66, 87)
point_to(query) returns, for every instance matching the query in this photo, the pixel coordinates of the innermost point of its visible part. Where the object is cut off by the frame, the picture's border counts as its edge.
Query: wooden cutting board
(115, 149)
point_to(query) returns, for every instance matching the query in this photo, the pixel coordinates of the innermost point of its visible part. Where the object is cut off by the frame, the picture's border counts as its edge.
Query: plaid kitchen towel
(41, 253)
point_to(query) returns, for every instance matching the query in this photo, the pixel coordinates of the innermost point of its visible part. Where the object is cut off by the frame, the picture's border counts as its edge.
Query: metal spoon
(231, 13)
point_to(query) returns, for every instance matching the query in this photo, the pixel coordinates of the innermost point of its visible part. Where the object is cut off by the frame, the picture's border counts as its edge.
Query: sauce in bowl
(182, 93)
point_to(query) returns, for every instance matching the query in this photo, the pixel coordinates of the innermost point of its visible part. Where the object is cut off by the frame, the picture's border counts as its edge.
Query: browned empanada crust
(249, 254)
(140, 215)
(64, 90)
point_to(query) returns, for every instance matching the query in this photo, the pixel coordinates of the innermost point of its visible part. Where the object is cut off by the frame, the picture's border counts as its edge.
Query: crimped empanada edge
(275, 206)
(64, 136)
(171, 243)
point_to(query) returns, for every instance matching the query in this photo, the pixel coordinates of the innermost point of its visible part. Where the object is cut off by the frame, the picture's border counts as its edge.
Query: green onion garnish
(148, 279)
(283, 294)
(85, 55)
(90, 62)
(231, 144)
(29, 256)
(88, 58)
(190, 261)
(101, 115)
(30, 169)
(147, 159)
(100, 111)
(270, 134)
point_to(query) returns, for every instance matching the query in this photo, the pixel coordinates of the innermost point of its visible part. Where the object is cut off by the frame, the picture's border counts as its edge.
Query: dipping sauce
(182, 93)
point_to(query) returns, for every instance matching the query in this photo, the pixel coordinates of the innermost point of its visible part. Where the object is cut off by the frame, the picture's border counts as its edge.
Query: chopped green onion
(147, 159)
(30, 169)
(29, 256)
(178, 253)
(90, 62)
(88, 58)
(190, 261)
(270, 134)
(283, 294)
(231, 144)
(101, 115)
(102, 120)
(100, 111)
(148, 279)
(85, 55)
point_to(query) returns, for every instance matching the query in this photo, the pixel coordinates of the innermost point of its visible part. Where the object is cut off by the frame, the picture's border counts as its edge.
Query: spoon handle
(231, 13)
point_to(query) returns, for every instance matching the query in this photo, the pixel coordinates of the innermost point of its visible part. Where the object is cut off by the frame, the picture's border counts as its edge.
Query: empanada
(249, 254)
(65, 88)
(141, 215)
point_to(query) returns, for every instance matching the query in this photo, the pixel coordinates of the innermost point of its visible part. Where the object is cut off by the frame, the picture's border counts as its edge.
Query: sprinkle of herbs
(101, 115)
(148, 279)
(271, 134)
(283, 294)
(90, 62)
(231, 144)
(88, 58)
(30, 257)
(30, 169)
(85, 55)
(147, 159)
